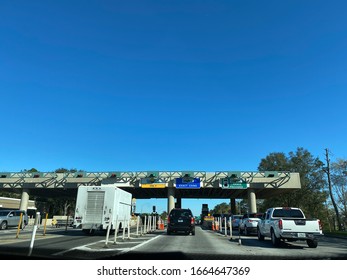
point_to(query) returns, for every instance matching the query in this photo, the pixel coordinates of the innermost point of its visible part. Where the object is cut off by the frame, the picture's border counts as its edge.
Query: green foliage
(10, 194)
(65, 170)
(163, 215)
(222, 208)
(31, 170)
(312, 195)
(339, 180)
(56, 206)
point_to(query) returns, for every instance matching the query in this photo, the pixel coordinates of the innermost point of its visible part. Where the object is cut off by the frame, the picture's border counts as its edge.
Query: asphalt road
(206, 244)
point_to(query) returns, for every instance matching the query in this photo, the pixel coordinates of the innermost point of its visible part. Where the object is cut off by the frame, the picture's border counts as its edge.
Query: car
(249, 222)
(10, 218)
(235, 220)
(181, 220)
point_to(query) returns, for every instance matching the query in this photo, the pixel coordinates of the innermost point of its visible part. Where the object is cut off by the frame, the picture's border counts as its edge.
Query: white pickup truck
(290, 224)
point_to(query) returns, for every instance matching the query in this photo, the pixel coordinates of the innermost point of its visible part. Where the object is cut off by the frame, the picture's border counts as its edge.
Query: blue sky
(170, 85)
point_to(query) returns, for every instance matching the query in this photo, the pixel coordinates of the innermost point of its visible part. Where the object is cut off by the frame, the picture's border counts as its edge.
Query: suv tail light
(168, 219)
(192, 221)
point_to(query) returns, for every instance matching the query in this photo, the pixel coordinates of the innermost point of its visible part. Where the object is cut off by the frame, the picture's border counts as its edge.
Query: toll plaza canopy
(157, 184)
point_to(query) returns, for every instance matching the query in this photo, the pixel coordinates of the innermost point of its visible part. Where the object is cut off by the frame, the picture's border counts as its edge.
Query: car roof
(181, 209)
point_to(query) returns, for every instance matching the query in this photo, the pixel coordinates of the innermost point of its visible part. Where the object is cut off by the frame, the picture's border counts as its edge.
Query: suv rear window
(178, 213)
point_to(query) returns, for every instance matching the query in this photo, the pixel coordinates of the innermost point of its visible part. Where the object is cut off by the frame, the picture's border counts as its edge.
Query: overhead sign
(238, 186)
(193, 184)
(229, 183)
(154, 186)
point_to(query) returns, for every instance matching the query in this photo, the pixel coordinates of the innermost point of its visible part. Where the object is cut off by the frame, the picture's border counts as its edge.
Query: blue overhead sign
(182, 184)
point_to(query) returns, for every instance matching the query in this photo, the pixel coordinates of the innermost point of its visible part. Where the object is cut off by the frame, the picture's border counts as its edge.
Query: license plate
(180, 221)
(301, 234)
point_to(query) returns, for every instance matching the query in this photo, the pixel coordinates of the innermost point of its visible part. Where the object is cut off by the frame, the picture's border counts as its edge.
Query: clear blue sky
(170, 85)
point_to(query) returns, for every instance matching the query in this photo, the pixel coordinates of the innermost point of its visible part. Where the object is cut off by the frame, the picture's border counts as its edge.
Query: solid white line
(77, 248)
(85, 247)
(138, 246)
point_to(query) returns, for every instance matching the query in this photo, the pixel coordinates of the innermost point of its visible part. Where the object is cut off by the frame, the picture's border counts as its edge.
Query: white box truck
(97, 206)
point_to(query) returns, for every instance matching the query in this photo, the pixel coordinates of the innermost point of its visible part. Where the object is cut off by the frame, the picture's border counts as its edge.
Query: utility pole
(327, 170)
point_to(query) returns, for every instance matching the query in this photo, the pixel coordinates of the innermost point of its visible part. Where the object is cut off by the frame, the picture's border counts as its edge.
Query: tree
(65, 170)
(312, 196)
(222, 208)
(339, 189)
(163, 215)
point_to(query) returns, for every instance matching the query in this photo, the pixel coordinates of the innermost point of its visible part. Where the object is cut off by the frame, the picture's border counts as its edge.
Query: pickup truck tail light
(320, 225)
(280, 224)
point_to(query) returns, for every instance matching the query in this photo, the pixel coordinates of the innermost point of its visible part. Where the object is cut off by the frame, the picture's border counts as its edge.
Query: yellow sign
(154, 186)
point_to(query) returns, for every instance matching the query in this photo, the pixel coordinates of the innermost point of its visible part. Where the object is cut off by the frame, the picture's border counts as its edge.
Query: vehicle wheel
(193, 232)
(168, 232)
(3, 225)
(260, 236)
(275, 241)
(312, 243)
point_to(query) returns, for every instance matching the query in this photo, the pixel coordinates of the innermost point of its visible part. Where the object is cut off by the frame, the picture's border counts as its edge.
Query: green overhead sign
(230, 183)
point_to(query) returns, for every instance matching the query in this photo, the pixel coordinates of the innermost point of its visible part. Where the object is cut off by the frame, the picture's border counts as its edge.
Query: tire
(312, 243)
(193, 232)
(168, 232)
(275, 241)
(260, 236)
(3, 225)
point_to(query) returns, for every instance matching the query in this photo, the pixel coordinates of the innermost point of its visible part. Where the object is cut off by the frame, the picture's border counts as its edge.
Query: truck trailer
(98, 206)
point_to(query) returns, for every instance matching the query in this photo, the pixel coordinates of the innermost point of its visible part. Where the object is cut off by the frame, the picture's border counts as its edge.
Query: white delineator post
(231, 228)
(108, 231)
(31, 246)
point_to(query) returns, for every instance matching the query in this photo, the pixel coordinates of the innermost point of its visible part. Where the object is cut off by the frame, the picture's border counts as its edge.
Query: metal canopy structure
(264, 184)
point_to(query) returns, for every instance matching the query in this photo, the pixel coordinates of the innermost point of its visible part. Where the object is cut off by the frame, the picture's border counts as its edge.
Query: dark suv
(181, 220)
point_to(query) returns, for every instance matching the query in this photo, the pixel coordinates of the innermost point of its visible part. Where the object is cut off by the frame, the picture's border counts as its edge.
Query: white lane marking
(86, 247)
(137, 246)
